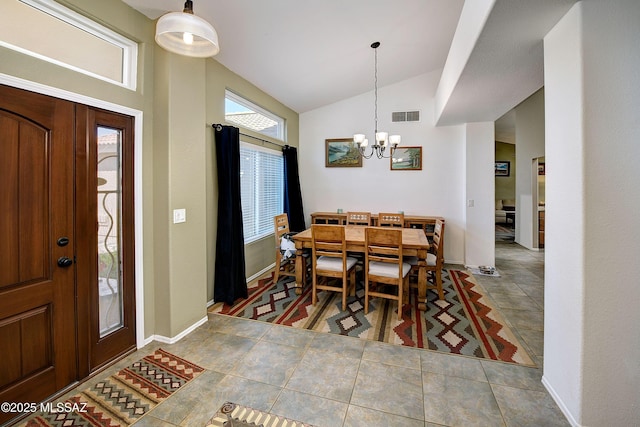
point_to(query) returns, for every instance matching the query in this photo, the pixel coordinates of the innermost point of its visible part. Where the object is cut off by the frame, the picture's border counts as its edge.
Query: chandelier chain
(375, 85)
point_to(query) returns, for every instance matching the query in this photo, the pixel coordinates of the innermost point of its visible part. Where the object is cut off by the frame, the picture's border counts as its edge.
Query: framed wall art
(503, 168)
(406, 159)
(342, 153)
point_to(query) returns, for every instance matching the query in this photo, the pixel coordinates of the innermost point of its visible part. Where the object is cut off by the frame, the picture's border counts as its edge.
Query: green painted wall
(261, 253)
(506, 185)
(178, 164)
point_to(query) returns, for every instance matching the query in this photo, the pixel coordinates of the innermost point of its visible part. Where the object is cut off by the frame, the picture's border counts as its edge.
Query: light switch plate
(179, 215)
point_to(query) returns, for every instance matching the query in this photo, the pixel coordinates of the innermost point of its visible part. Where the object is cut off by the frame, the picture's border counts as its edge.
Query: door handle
(64, 261)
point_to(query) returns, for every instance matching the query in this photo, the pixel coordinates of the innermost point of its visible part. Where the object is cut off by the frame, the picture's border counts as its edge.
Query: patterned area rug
(121, 399)
(464, 323)
(506, 234)
(234, 415)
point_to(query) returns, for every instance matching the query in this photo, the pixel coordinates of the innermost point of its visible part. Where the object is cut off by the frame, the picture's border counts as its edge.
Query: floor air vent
(405, 116)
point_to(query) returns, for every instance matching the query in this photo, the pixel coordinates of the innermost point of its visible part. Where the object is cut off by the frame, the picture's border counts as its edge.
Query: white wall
(530, 145)
(480, 192)
(592, 242)
(438, 189)
(564, 239)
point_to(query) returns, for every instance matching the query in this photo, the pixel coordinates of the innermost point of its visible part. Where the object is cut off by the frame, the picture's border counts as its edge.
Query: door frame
(137, 185)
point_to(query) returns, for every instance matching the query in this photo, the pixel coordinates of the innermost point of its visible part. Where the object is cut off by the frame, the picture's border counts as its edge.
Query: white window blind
(261, 187)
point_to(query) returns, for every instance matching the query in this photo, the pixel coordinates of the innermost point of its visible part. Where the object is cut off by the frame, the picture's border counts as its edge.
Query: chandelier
(382, 139)
(187, 34)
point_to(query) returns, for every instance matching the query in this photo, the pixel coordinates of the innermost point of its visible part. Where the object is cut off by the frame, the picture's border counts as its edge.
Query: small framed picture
(503, 168)
(342, 153)
(406, 159)
(540, 168)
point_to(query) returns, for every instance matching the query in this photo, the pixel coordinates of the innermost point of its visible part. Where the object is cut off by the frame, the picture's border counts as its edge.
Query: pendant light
(187, 34)
(382, 139)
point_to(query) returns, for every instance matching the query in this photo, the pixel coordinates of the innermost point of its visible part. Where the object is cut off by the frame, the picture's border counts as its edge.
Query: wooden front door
(67, 293)
(37, 283)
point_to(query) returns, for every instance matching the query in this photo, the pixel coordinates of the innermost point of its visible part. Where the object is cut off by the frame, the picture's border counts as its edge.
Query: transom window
(54, 33)
(245, 114)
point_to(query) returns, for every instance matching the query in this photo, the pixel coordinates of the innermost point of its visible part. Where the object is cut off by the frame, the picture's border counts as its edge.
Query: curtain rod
(218, 127)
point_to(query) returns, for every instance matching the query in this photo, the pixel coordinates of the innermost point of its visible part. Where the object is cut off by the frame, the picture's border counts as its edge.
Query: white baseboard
(173, 340)
(261, 272)
(560, 403)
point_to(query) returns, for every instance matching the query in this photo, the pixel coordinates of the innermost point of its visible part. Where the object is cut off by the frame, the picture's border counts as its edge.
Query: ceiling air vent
(405, 116)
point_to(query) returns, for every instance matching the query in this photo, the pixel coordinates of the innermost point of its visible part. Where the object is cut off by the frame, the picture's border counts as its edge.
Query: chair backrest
(390, 219)
(359, 218)
(438, 241)
(384, 245)
(329, 241)
(281, 227)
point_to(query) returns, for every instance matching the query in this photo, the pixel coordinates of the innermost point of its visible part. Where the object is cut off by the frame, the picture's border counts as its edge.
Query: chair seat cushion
(413, 260)
(334, 264)
(386, 269)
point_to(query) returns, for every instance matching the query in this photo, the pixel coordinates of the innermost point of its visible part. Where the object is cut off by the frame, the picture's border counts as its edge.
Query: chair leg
(400, 298)
(276, 273)
(353, 283)
(366, 295)
(314, 291)
(439, 284)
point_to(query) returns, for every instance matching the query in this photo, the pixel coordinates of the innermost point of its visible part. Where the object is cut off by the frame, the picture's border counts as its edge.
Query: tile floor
(334, 381)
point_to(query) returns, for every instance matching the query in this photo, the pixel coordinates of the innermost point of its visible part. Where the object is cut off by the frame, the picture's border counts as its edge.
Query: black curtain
(230, 279)
(292, 193)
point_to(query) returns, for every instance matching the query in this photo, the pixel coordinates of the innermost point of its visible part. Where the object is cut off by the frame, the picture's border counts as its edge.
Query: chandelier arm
(362, 151)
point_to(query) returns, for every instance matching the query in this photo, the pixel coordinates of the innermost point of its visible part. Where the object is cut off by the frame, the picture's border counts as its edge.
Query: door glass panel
(109, 230)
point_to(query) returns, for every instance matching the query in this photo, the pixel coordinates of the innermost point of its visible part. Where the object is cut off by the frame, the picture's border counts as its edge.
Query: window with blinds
(262, 188)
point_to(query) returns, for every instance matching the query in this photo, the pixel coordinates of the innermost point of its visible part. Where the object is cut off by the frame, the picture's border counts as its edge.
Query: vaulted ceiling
(308, 54)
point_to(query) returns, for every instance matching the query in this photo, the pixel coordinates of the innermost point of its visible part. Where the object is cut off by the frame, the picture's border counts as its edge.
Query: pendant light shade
(187, 34)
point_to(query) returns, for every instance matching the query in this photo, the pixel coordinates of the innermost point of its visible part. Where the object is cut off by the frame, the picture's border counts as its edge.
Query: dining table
(414, 243)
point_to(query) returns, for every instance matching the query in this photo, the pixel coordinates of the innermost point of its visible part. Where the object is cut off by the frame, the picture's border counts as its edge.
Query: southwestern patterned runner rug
(121, 399)
(464, 323)
(234, 415)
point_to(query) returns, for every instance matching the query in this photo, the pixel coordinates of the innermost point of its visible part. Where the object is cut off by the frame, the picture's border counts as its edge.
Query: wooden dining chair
(384, 265)
(330, 261)
(435, 260)
(284, 266)
(390, 219)
(358, 218)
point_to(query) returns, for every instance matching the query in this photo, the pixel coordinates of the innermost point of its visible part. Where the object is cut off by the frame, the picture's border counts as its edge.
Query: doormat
(121, 399)
(234, 415)
(465, 322)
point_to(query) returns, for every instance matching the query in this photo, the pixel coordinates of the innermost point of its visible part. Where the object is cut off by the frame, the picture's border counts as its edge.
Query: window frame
(240, 100)
(129, 48)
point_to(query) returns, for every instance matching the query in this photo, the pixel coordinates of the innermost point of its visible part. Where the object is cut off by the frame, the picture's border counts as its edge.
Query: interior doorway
(50, 298)
(538, 172)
